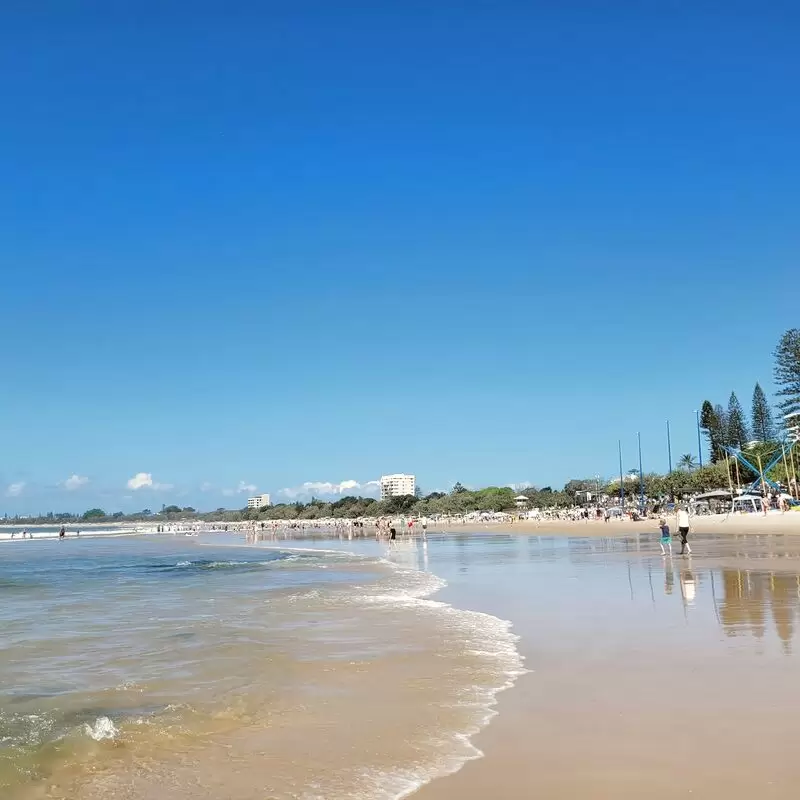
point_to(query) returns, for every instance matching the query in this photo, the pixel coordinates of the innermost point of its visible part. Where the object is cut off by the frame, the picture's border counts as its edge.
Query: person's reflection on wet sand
(688, 585)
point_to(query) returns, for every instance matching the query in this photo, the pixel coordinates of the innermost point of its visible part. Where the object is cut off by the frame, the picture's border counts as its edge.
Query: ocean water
(9, 532)
(214, 667)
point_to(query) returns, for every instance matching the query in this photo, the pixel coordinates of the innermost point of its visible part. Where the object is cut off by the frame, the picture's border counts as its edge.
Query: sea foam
(103, 728)
(484, 636)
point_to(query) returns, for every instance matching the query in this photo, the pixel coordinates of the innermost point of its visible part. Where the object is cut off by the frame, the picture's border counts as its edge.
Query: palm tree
(687, 462)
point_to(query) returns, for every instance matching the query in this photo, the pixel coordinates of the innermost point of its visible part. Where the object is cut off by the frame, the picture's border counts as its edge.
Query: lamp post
(621, 481)
(699, 443)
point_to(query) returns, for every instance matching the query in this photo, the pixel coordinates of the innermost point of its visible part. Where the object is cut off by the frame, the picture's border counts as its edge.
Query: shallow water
(208, 667)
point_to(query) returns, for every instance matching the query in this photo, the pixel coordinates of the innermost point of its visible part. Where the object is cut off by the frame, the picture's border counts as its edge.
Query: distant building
(259, 501)
(396, 485)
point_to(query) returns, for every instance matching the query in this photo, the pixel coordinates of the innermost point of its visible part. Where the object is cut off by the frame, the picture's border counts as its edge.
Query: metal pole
(792, 431)
(785, 463)
(728, 472)
(621, 481)
(669, 448)
(641, 475)
(699, 442)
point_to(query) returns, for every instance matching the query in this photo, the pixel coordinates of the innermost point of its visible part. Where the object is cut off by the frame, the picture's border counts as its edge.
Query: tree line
(729, 427)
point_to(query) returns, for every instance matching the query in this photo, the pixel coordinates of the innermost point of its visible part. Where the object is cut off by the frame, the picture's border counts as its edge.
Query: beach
(463, 664)
(664, 677)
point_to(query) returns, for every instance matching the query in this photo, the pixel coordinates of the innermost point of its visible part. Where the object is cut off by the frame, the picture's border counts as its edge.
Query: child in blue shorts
(666, 539)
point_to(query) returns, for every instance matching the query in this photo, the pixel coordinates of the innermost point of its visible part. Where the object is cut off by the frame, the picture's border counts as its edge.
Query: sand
(774, 522)
(650, 676)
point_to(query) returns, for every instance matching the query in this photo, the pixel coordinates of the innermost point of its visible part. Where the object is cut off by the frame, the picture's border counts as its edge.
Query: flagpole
(699, 442)
(669, 448)
(641, 475)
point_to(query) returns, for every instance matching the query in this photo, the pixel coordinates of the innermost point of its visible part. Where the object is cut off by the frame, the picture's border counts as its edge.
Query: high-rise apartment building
(396, 485)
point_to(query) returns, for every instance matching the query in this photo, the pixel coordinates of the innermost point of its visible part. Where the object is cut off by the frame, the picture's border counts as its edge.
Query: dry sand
(774, 522)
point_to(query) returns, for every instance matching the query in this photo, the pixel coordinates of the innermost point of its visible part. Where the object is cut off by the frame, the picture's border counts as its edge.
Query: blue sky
(264, 244)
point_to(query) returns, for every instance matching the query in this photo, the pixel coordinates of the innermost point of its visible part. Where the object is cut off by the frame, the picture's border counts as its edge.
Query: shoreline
(406, 677)
(740, 524)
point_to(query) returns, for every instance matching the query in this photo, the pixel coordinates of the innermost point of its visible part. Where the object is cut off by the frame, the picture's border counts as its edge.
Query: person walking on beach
(666, 538)
(62, 534)
(683, 530)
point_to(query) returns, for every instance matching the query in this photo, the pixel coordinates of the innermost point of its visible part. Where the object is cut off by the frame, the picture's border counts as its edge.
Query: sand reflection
(753, 598)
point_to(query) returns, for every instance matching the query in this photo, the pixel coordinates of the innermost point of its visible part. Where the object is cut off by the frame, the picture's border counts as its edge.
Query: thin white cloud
(144, 480)
(242, 488)
(205, 486)
(15, 489)
(74, 482)
(326, 488)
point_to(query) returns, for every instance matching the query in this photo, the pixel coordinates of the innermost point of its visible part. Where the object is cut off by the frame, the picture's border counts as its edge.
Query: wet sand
(649, 676)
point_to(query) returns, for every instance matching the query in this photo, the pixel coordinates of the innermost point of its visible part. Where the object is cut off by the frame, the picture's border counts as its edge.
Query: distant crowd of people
(26, 534)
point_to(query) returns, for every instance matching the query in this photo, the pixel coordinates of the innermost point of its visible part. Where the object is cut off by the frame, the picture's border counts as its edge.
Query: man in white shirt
(683, 529)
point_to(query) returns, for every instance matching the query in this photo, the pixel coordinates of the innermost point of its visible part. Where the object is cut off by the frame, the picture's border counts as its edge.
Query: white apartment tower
(395, 485)
(259, 501)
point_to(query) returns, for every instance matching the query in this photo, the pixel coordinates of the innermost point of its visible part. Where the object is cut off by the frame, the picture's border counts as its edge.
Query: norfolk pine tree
(715, 433)
(763, 426)
(737, 429)
(722, 416)
(787, 371)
